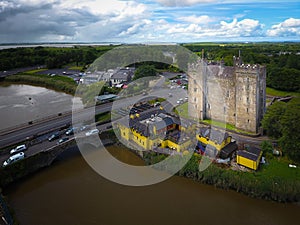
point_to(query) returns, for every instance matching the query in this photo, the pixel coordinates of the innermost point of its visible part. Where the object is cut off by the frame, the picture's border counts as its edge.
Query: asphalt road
(35, 129)
(43, 143)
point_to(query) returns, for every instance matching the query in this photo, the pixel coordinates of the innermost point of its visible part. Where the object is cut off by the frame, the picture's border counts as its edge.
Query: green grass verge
(35, 71)
(102, 117)
(274, 92)
(80, 68)
(157, 100)
(228, 126)
(182, 110)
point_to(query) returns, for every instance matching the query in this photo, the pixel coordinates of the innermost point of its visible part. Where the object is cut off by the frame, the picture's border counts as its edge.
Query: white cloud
(243, 28)
(176, 3)
(289, 27)
(197, 19)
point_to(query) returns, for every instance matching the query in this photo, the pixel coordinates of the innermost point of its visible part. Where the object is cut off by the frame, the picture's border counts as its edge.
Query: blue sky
(148, 20)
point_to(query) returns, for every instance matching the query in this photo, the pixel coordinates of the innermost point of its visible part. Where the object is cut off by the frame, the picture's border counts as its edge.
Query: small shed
(249, 158)
(228, 150)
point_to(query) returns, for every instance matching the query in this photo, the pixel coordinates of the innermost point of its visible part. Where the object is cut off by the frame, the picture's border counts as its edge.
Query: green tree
(145, 71)
(271, 121)
(290, 140)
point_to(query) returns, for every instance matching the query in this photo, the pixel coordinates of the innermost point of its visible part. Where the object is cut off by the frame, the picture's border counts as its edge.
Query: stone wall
(235, 95)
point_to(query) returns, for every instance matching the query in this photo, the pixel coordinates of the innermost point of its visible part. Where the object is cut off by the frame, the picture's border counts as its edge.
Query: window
(247, 110)
(227, 94)
(195, 82)
(195, 89)
(195, 99)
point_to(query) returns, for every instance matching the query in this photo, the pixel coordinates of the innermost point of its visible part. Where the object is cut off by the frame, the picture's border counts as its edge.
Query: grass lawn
(228, 126)
(182, 110)
(274, 92)
(80, 68)
(35, 71)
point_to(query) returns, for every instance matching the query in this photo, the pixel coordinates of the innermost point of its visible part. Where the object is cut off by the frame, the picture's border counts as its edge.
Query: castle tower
(250, 96)
(235, 95)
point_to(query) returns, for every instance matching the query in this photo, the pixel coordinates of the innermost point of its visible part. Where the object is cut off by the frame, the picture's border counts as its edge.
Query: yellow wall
(248, 162)
(147, 143)
(124, 132)
(210, 142)
(140, 139)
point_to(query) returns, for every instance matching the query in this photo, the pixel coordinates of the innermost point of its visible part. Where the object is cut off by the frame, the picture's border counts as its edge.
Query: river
(70, 192)
(23, 103)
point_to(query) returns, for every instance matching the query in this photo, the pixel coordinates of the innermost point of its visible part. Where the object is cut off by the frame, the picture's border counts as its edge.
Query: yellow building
(214, 138)
(154, 130)
(249, 158)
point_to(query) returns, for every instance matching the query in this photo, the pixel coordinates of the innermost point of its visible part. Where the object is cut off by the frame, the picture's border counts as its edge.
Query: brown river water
(70, 192)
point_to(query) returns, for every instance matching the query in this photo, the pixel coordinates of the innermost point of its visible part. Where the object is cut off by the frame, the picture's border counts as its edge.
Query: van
(14, 158)
(17, 149)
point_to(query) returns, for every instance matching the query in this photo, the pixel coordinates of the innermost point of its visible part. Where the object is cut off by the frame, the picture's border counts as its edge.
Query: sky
(149, 21)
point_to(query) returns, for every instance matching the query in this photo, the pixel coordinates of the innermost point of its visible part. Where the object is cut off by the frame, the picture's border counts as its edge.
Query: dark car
(71, 130)
(54, 136)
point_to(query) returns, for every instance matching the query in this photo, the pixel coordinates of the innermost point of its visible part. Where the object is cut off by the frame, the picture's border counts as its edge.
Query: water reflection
(23, 103)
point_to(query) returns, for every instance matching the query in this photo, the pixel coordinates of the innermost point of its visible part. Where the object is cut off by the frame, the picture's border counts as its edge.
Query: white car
(14, 158)
(92, 132)
(17, 149)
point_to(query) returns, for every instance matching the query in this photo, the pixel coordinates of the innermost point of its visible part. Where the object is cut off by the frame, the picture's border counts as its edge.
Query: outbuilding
(249, 158)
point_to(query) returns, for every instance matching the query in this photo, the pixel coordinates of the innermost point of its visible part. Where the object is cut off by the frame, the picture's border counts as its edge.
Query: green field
(274, 92)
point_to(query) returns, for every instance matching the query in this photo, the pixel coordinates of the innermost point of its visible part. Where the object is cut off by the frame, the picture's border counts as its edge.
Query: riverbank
(269, 182)
(56, 83)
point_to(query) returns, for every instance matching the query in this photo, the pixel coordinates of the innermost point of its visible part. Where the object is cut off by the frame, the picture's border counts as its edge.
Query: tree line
(51, 57)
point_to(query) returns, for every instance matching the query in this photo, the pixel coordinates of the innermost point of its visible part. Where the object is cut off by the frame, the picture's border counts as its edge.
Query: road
(35, 129)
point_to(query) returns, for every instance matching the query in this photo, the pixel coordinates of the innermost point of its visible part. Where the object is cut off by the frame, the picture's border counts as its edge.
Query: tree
(145, 71)
(271, 121)
(290, 140)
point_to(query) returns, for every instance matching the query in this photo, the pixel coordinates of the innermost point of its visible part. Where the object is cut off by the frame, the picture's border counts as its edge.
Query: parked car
(62, 140)
(17, 149)
(156, 104)
(14, 158)
(54, 136)
(92, 132)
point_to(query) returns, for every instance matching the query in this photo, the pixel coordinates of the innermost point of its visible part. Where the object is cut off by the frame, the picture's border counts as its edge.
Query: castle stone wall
(235, 95)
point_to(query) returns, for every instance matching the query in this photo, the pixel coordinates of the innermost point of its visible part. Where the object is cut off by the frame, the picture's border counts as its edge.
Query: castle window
(248, 100)
(248, 121)
(247, 110)
(234, 114)
(195, 89)
(224, 109)
(227, 94)
(195, 82)
(195, 99)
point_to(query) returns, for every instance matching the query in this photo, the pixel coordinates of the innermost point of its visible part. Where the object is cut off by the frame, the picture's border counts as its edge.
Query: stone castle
(232, 94)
